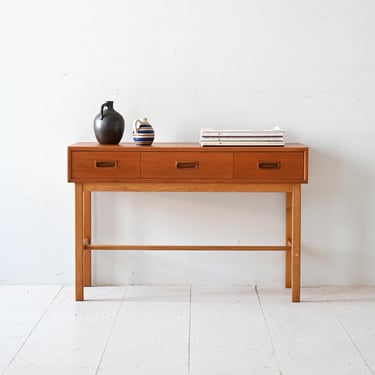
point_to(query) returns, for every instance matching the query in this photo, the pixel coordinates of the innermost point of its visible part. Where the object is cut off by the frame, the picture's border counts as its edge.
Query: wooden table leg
(79, 240)
(288, 239)
(296, 242)
(87, 237)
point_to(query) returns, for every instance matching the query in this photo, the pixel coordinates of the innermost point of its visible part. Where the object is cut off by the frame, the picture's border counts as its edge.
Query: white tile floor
(186, 330)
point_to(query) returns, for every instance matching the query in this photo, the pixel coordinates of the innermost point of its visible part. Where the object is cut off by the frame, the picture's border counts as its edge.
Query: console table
(173, 167)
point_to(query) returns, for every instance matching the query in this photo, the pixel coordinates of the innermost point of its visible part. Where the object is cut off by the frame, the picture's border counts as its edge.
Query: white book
(241, 143)
(241, 132)
(242, 138)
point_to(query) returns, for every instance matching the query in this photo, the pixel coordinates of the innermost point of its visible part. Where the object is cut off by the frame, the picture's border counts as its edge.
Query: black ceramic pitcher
(109, 125)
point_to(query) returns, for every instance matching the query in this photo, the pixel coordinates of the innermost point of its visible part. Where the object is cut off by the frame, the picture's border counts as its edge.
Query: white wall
(307, 66)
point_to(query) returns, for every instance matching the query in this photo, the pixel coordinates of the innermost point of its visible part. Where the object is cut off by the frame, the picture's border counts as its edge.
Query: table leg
(79, 240)
(296, 242)
(288, 239)
(87, 237)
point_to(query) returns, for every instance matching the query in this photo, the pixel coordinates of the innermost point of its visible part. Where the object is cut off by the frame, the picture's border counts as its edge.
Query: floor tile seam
(189, 333)
(47, 308)
(323, 291)
(111, 330)
(274, 354)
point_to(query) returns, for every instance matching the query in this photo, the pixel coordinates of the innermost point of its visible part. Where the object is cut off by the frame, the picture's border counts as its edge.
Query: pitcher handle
(135, 126)
(102, 110)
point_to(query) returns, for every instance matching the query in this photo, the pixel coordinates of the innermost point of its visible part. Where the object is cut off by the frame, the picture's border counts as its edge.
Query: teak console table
(186, 168)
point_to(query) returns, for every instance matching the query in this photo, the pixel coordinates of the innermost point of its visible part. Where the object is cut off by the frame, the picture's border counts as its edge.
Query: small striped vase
(143, 133)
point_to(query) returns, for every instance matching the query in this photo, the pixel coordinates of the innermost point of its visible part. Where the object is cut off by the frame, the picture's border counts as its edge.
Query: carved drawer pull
(269, 165)
(187, 164)
(106, 164)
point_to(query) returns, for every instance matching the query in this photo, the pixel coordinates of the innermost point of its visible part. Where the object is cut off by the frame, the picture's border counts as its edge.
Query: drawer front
(171, 165)
(270, 166)
(104, 165)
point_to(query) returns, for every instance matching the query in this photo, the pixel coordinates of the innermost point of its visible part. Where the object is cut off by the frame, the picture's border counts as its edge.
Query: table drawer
(160, 165)
(104, 165)
(270, 166)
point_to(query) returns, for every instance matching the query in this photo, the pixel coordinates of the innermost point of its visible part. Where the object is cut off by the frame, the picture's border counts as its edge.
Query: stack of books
(242, 137)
